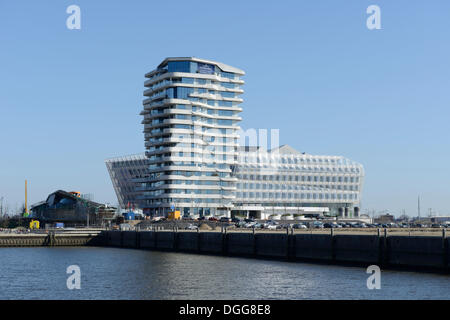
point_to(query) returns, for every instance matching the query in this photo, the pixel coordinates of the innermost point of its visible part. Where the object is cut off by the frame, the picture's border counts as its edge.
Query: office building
(193, 161)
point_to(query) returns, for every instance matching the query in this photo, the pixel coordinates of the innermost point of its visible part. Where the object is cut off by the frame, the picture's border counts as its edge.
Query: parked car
(270, 226)
(213, 219)
(317, 225)
(336, 225)
(191, 227)
(299, 226)
(235, 219)
(240, 224)
(249, 224)
(201, 218)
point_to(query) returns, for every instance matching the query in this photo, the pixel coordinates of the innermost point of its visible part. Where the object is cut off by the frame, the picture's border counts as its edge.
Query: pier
(79, 238)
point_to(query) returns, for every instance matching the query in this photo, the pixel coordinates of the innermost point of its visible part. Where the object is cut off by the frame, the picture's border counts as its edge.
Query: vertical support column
(380, 248)
(287, 243)
(385, 248)
(333, 245)
(255, 251)
(224, 241)
(444, 250)
(175, 238)
(138, 239)
(198, 239)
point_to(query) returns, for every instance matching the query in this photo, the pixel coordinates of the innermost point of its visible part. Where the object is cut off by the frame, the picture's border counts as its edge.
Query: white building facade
(286, 182)
(191, 117)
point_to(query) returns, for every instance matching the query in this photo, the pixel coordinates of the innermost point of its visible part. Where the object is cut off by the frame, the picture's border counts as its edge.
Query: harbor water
(113, 273)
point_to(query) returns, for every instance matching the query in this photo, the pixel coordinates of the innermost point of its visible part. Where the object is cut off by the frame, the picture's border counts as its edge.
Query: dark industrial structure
(71, 208)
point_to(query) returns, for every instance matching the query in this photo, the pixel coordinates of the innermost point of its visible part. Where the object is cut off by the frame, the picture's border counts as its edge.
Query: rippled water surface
(110, 273)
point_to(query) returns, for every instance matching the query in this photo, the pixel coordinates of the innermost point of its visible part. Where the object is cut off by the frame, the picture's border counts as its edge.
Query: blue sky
(71, 98)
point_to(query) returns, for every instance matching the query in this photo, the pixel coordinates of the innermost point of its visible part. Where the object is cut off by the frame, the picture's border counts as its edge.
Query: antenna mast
(418, 205)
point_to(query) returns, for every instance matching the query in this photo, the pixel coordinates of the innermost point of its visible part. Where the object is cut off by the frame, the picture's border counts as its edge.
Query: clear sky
(71, 98)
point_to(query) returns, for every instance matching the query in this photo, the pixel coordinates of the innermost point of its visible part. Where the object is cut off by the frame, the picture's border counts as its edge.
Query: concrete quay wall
(421, 252)
(39, 240)
(411, 252)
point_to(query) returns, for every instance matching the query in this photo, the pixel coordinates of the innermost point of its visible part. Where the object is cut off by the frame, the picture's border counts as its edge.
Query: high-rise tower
(191, 136)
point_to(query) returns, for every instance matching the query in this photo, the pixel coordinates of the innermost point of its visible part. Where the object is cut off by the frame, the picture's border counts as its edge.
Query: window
(225, 103)
(179, 66)
(227, 94)
(187, 80)
(226, 113)
(228, 85)
(224, 122)
(228, 75)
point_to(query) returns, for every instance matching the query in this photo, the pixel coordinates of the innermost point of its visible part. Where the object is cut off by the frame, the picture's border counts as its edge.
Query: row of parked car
(271, 224)
(318, 224)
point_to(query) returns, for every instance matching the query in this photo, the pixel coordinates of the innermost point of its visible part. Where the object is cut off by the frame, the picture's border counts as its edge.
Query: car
(225, 219)
(249, 224)
(201, 218)
(257, 225)
(317, 225)
(191, 227)
(248, 220)
(213, 219)
(327, 225)
(270, 226)
(299, 226)
(235, 220)
(336, 225)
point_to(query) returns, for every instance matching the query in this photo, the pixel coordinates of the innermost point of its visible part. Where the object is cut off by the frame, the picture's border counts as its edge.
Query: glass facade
(124, 173)
(286, 181)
